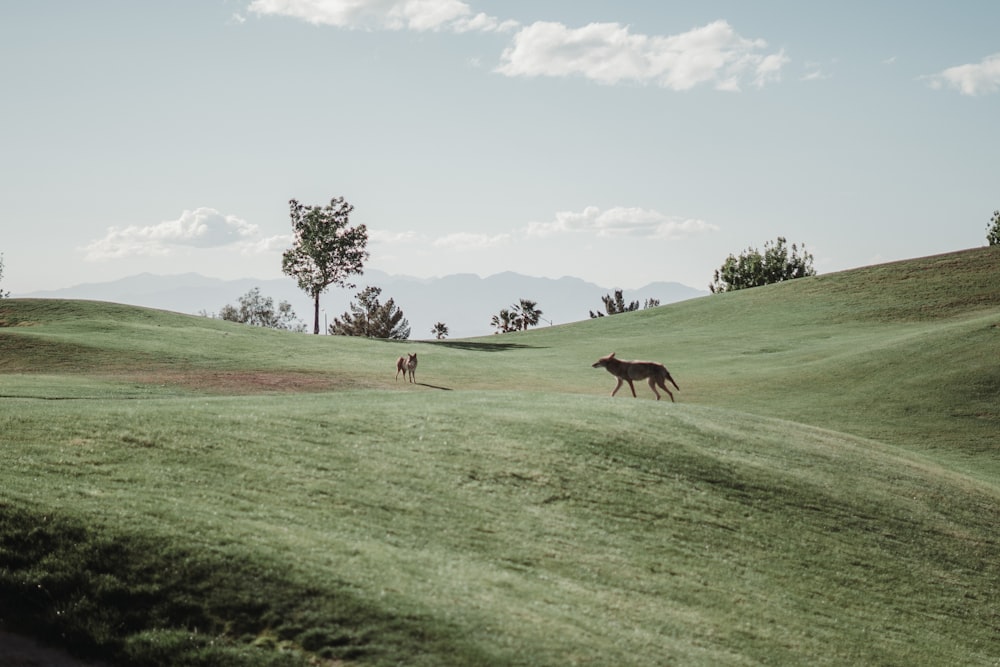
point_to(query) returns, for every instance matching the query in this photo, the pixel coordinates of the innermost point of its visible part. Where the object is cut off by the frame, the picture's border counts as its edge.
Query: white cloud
(972, 79)
(621, 221)
(605, 52)
(814, 72)
(417, 15)
(380, 236)
(272, 244)
(610, 53)
(200, 228)
(469, 241)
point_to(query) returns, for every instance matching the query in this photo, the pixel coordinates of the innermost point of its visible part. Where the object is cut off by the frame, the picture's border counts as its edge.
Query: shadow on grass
(432, 386)
(130, 598)
(482, 347)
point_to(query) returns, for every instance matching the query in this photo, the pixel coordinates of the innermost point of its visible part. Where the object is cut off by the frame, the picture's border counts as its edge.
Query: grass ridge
(825, 491)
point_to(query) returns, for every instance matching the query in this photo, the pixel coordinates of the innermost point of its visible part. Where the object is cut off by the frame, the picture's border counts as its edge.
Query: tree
(370, 318)
(259, 311)
(753, 268)
(518, 317)
(527, 314)
(993, 229)
(439, 330)
(614, 305)
(503, 322)
(3, 295)
(326, 249)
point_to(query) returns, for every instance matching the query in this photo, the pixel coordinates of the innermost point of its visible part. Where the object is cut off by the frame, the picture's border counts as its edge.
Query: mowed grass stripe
(527, 530)
(179, 490)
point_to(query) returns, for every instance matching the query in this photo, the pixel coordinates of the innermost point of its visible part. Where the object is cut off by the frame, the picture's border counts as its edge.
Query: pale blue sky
(619, 142)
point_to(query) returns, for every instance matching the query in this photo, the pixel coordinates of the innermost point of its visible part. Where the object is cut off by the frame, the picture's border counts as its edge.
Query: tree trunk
(316, 313)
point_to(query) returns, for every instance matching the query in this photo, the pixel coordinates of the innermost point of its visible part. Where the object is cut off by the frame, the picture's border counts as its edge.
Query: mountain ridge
(465, 302)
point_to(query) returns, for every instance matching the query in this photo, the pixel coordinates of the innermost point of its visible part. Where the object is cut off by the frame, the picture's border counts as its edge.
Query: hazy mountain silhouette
(465, 302)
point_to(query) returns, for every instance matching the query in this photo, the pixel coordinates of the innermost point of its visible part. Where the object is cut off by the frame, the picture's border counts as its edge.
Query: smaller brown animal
(407, 365)
(626, 371)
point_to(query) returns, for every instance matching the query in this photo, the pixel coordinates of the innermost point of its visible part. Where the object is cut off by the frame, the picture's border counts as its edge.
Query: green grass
(178, 490)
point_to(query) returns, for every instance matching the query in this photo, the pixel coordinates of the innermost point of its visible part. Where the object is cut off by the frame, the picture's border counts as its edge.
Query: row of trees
(327, 251)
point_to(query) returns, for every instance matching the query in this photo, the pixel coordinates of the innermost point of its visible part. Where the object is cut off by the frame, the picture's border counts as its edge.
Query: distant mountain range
(464, 302)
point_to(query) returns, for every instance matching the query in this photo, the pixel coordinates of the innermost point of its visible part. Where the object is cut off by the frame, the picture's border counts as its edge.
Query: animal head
(603, 361)
(413, 357)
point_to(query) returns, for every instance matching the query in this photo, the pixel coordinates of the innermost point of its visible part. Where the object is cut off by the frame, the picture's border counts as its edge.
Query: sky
(619, 142)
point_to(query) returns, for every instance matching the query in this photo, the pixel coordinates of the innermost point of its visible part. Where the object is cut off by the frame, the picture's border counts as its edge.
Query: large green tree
(326, 251)
(370, 318)
(754, 268)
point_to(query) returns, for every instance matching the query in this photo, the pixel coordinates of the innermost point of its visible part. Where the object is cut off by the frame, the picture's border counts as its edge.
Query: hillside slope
(499, 528)
(182, 490)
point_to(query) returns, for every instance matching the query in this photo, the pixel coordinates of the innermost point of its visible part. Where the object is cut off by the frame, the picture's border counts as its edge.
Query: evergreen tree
(370, 318)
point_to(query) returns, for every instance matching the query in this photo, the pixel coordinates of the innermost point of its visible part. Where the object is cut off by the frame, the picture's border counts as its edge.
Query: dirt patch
(244, 382)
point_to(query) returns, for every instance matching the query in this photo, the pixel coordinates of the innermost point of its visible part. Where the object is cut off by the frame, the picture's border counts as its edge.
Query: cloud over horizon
(971, 79)
(617, 222)
(621, 221)
(201, 228)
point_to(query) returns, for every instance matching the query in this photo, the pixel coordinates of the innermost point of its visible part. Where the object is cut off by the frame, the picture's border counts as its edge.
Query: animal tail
(669, 377)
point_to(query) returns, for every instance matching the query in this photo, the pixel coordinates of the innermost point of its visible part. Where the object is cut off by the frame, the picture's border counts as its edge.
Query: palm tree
(440, 330)
(504, 322)
(528, 314)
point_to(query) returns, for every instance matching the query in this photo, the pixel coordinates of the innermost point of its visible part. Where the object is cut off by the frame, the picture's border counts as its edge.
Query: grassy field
(826, 490)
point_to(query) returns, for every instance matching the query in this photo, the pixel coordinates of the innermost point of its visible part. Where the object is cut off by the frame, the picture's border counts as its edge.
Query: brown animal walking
(408, 365)
(626, 371)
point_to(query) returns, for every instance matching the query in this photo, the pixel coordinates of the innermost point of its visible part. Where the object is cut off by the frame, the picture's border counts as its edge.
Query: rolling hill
(465, 302)
(179, 490)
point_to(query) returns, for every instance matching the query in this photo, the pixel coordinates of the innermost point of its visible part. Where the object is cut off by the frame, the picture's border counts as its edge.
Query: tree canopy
(754, 268)
(439, 330)
(257, 310)
(370, 318)
(518, 317)
(615, 305)
(326, 250)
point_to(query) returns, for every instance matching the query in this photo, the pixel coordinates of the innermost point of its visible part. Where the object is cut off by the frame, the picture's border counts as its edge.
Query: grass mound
(186, 491)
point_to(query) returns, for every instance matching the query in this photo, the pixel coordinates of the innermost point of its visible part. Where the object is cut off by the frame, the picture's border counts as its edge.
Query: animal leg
(652, 385)
(663, 386)
(631, 386)
(617, 386)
